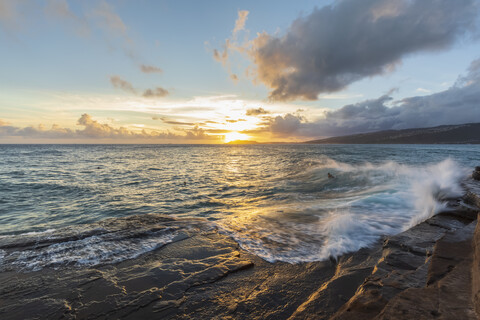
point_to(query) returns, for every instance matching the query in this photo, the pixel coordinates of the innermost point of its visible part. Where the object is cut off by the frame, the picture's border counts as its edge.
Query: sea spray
(343, 232)
(360, 205)
(276, 201)
(432, 186)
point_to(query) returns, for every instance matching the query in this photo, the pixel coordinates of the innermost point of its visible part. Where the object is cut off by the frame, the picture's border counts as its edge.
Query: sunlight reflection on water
(276, 200)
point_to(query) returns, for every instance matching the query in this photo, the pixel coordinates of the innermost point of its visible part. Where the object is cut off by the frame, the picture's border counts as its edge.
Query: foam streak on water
(74, 205)
(109, 241)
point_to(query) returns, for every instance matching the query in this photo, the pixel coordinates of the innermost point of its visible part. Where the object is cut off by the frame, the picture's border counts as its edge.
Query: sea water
(276, 201)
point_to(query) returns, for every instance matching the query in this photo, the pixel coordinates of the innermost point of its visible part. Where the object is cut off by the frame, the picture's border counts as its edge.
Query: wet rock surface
(427, 272)
(428, 281)
(430, 271)
(201, 276)
(447, 294)
(476, 173)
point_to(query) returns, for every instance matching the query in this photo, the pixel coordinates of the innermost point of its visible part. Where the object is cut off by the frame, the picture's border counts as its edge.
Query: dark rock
(476, 175)
(350, 274)
(448, 293)
(415, 268)
(476, 270)
(427, 272)
(472, 199)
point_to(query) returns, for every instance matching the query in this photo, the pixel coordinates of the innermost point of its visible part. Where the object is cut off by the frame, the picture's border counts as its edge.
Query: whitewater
(86, 205)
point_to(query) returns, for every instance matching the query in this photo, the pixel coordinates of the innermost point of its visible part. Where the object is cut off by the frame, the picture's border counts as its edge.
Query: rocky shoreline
(431, 271)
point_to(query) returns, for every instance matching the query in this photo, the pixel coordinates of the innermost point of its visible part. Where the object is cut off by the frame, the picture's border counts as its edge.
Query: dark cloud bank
(339, 44)
(457, 105)
(349, 40)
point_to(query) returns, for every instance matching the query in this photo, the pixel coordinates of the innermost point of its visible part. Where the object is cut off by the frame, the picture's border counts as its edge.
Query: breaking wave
(94, 205)
(361, 204)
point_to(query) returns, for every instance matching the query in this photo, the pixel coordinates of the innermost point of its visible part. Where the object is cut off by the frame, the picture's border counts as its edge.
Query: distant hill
(457, 134)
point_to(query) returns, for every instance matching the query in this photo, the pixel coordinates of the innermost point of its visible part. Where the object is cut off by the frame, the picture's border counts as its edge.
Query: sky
(125, 71)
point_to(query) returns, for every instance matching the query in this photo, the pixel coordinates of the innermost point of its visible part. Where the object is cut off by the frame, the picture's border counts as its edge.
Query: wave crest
(360, 205)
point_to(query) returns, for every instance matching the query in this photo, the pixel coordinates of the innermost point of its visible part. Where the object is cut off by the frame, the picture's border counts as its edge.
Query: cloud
(155, 93)
(10, 16)
(287, 124)
(126, 86)
(256, 112)
(423, 90)
(339, 44)
(61, 9)
(197, 133)
(456, 105)
(35, 132)
(231, 44)
(97, 18)
(92, 129)
(221, 57)
(168, 121)
(119, 83)
(472, 77)
(114, 29)
(240, 22)
(92, 18)
(234, 121)
(150, 69)
(109, 20)
(218, 130)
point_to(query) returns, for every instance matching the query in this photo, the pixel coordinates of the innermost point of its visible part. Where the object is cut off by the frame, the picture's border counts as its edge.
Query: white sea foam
(432, 186)
(345, 233)
(89, 251)
(426, 187)
(105, 242)
(297, 216)
(363, 203)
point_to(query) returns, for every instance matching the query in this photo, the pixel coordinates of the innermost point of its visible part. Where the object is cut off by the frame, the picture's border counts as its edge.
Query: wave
(355, 209)
(105, 242)
(300, 216)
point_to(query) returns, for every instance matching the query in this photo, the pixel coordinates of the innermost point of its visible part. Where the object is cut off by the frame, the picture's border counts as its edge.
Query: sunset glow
(165, 159)
(93, 72)
(233, 136)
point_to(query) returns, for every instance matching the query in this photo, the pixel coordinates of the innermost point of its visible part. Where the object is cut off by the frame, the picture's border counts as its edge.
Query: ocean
(80, 205)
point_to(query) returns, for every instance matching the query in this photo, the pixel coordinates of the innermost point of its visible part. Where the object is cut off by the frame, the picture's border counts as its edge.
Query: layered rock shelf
(431, 271)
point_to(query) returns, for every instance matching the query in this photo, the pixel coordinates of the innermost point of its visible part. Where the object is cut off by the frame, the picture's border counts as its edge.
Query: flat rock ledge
(431, 271)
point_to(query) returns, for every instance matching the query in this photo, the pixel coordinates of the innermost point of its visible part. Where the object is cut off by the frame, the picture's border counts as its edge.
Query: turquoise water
(275, 200)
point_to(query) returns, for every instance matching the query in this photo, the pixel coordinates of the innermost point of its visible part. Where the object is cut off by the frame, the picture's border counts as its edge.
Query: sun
(232, 136)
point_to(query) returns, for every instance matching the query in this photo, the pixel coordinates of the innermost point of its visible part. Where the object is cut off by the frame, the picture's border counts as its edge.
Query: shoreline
(207, 275)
